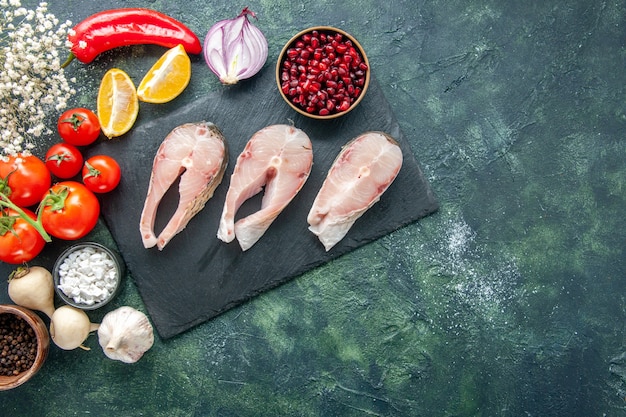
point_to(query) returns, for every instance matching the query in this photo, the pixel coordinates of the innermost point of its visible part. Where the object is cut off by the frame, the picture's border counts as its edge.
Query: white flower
(33, 86)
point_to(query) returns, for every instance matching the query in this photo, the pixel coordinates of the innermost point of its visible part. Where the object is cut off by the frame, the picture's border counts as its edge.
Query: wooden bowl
(43, 345)
(306, 94)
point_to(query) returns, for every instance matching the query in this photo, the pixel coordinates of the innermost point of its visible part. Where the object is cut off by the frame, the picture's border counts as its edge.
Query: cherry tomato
(64, 160)
(27, 178)
(19, 241)
(70, 210)
(79, 126)
(101, 173)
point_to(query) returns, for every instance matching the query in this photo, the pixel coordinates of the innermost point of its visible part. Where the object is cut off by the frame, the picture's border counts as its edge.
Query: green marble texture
(509, 301)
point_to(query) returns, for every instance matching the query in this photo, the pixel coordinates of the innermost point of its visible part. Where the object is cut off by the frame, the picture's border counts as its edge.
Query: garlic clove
(125, 334)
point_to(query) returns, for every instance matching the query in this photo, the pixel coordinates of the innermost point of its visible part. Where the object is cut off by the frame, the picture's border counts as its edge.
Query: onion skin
(235, 49)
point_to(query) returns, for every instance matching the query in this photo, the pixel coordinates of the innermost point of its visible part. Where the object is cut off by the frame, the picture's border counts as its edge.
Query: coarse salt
(88, 276)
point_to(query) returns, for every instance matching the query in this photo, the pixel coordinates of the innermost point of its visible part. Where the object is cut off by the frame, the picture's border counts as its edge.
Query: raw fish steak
(198, 153)
(277, 158)
(361, 173)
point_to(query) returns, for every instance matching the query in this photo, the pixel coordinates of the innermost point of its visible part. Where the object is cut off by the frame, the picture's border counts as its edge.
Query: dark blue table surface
(509, 301)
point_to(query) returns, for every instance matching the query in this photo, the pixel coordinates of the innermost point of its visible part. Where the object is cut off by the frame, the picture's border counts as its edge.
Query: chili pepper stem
(69, 59)
(6, 202)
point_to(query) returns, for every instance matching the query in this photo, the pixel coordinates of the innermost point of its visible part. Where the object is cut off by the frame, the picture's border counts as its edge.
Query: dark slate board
(197, 276)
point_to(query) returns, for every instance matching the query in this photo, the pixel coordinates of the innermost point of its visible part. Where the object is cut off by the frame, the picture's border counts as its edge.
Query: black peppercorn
(17, 345)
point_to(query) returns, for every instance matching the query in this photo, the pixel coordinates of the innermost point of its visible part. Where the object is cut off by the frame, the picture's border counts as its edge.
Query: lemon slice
(167, 78)
(118, 106)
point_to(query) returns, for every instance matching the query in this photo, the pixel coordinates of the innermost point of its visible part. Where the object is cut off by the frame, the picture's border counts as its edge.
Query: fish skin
(362, 171)
(198, 153)
(278, 158)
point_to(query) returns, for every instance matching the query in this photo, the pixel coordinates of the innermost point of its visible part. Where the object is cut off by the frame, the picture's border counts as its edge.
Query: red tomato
(27, 177)
(70, 210)
(101, 173)
(79, 126)
(19, 241)
(64, 160)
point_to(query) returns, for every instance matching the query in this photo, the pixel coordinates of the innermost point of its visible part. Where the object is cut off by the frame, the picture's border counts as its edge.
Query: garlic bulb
(235, 49)
(125, 334)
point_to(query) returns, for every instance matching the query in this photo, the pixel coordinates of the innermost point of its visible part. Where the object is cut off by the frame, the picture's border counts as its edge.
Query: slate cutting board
(196, 276)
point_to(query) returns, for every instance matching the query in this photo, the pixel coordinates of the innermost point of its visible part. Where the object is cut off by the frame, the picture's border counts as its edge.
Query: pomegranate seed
(341, 49)
(322, 73)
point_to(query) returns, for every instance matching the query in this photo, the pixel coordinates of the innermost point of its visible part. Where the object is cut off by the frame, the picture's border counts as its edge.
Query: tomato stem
(6, 202)
(76, 120)
(91, 171)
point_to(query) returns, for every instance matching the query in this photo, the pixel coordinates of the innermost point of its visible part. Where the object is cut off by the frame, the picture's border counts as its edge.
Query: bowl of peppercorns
(323, 72)
(24, 345)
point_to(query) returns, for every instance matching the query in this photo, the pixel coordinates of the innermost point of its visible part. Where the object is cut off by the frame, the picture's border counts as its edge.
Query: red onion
(235, 49)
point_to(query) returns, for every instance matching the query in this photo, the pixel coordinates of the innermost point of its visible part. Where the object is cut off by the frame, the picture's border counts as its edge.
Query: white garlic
(125, 334)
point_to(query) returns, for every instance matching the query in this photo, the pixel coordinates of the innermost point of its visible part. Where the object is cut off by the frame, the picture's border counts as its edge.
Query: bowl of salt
(88, 275)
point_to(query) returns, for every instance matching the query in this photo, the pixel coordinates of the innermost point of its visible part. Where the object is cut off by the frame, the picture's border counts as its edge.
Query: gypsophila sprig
(32, 82)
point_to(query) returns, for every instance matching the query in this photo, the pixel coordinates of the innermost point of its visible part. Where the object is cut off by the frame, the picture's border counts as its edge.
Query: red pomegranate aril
(323, 74)
(341, 48)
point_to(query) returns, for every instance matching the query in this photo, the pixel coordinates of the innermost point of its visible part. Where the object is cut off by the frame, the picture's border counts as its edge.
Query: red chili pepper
(128, 26)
